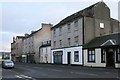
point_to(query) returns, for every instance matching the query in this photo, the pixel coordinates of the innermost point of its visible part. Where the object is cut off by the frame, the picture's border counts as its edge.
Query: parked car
(7, 64)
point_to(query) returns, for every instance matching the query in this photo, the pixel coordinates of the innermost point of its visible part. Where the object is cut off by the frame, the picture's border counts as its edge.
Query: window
(69, 41)
(54, 33)
(54, 44)
(76, 24)
(118, 55)
(60, 31)
(76, 56)
(69, 27)
(102, 25)
(91, 55)
(60, 41)
(103, 53)
(76, 40)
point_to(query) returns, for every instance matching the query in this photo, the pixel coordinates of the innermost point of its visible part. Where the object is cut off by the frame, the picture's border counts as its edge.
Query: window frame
(69, 41)
(54, 44)
(76, 40)
(69, 27)
(91, 55)
(117, 53)
(103, 56)
(60, 30)
(76, 59)
(60, 43)
(54, 32)
(76, 24)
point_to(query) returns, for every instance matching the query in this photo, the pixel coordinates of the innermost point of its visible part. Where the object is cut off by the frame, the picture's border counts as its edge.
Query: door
(58, 59)
(110, 59)
(69, 57)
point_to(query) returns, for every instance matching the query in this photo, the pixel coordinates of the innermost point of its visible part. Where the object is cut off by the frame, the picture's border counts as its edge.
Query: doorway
(110, 58)
(69, 57)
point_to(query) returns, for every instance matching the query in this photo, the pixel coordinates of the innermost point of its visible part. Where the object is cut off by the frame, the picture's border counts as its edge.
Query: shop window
(76, 56)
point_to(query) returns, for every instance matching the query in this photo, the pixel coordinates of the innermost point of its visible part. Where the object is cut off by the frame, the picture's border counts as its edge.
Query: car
(7, 64)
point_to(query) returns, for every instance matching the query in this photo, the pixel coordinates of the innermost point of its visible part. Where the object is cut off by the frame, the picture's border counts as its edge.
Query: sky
(18, 17)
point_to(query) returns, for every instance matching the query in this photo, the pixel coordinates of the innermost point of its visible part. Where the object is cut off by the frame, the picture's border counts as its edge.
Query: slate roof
(85, 12)
(113, 39)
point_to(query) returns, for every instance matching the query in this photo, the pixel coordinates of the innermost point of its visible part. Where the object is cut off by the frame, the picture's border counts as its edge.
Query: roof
(108, 40)
(85, 12)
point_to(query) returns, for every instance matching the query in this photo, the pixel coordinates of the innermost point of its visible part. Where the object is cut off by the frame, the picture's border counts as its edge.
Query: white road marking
(26, 76)
(22, 76)
(18, 76)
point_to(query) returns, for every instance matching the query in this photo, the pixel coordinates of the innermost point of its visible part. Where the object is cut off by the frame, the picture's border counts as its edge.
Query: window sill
(91, 61)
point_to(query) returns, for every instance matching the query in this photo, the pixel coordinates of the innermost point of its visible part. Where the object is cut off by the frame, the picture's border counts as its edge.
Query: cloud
(5, 47)
(6, 39)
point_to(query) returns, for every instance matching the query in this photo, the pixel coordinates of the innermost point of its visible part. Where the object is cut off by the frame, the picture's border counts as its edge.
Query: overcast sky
(18, 18)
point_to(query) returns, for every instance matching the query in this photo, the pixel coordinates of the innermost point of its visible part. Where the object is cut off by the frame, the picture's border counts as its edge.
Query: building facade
(16, 48)
(71, 34)
(45, 52)
(39, 36)
(28, 49)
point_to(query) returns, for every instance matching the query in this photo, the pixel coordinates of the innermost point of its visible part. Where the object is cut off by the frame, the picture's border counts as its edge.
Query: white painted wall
(65, 58)
(97, 59)
(46, 52)
(72, 49)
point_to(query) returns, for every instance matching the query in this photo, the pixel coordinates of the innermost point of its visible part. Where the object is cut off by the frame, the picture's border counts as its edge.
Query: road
(26, 71)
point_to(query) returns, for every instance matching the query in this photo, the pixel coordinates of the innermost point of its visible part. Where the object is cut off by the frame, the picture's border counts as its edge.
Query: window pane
(91, 56)
(76, 56)
(118, 57)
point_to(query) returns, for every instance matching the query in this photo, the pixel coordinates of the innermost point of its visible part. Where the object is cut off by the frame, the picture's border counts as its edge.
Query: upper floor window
(91, 55)
(60, 41)
(54, 32)
(69, 41)
(60, 30)
(76, 24)
(69, 27)
(54, 44)
(76, 40)
(102, 25)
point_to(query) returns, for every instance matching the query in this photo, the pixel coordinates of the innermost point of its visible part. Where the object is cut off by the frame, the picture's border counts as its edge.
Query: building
(39, 36)
(45, 52)
(71, 34)
(5, 56)
(16, 48)
(103, 51)
(28, 48)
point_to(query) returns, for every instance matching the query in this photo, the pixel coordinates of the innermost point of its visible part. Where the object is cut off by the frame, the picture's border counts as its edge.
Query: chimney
(26, 34)
(45, 24)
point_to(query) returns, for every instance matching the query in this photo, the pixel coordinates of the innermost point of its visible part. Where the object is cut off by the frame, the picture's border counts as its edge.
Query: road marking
(18, 76)
(22, 76)
(26, 76)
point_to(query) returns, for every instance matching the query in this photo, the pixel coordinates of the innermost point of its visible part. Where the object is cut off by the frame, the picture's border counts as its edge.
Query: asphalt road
(27, 71)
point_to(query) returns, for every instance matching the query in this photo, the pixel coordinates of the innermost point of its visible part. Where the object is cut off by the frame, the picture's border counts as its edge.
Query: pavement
(27, 71)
